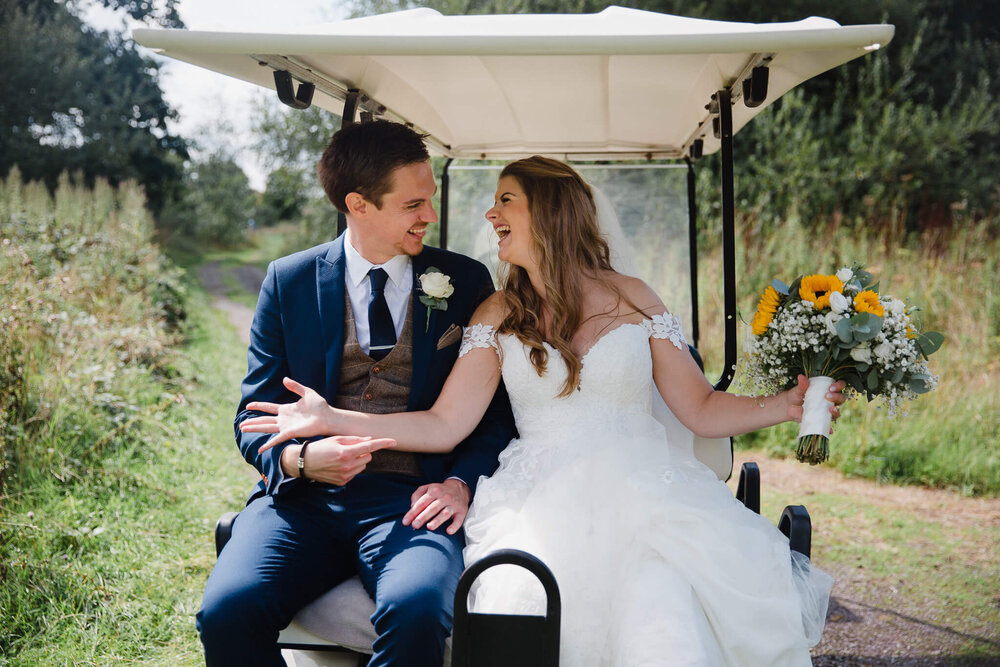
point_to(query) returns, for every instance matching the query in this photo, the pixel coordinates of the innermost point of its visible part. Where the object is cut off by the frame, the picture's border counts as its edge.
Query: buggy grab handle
(722, 102)
(499, 640)
(510, 557)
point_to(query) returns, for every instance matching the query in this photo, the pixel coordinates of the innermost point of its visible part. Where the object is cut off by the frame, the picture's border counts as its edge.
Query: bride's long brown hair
(569, 245)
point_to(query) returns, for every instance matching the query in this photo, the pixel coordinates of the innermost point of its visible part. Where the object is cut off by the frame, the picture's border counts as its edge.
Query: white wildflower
(884, 352)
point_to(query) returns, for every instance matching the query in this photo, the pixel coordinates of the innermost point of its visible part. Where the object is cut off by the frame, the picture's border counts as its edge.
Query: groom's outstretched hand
(433, 505)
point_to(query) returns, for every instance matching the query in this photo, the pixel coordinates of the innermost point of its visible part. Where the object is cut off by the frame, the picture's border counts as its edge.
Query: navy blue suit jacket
(298, 332)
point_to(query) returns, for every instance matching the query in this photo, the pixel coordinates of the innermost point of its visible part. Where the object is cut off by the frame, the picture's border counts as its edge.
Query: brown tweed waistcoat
(378, 387)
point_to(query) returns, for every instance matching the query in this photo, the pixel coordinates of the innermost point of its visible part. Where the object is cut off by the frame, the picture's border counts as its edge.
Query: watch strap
(302, 461)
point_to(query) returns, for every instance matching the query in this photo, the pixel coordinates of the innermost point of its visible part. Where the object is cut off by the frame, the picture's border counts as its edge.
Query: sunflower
(766, 308)
(817, 289)
(867, 302)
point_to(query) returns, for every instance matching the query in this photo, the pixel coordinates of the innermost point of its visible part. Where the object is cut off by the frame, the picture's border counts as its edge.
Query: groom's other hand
(433, 505)
(334, 460)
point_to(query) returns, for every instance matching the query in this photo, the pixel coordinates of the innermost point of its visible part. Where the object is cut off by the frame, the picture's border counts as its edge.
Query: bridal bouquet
(838, 327)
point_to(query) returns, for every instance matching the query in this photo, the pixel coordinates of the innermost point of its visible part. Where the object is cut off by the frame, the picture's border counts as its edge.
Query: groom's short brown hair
(362, 156)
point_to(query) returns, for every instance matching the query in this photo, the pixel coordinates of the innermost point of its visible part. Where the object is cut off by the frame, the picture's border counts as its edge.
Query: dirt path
(249, 278)
(869, 622)
(875, 619)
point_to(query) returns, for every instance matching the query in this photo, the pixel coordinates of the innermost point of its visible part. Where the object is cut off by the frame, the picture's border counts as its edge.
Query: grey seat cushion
(339, 616)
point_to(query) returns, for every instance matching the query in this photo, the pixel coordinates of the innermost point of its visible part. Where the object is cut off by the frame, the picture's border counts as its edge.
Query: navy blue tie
(383, 332)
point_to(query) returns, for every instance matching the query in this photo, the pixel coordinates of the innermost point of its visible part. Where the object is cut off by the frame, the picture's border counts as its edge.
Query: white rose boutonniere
(436, 288)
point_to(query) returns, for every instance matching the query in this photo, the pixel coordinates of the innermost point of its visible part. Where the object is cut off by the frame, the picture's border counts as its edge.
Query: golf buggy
(621, 94)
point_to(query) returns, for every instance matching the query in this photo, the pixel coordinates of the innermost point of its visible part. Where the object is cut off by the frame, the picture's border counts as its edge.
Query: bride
(656, 562)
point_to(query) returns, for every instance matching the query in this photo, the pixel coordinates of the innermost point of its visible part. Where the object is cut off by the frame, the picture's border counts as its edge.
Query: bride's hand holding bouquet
(837, 327)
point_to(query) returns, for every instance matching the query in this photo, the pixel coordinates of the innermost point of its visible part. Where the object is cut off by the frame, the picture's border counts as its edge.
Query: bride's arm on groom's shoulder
(696, 403)
(458, 409)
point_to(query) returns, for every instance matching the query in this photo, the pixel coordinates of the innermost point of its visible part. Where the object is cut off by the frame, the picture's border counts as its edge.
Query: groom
(349, 319)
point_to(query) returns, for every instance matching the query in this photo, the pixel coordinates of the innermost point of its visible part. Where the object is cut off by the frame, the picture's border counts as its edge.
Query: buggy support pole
(347, 118)
(445, 181)
(693, 247)
(728, 236)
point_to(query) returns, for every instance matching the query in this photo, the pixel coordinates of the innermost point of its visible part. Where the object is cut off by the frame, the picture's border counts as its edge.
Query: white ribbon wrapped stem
(816, 409)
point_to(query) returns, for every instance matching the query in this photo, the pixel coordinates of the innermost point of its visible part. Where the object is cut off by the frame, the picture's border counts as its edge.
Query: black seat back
(501, 640)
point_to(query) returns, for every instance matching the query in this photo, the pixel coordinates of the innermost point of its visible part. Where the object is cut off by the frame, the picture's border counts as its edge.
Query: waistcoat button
(369, 396)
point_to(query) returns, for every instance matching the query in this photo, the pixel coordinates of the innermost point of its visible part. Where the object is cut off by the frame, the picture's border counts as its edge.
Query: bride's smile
(511, 220)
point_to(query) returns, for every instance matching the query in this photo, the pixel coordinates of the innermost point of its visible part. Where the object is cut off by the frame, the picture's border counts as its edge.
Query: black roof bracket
(755, 86)
(300, 99)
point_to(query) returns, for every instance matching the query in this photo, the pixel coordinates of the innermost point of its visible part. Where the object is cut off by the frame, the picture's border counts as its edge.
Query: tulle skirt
(657, 563)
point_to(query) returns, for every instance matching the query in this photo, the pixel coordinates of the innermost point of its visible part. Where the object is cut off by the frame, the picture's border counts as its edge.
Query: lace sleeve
(666, 325)
(478, 335)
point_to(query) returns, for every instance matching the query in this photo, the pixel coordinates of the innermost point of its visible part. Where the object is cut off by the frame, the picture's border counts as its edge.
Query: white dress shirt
(398, 289)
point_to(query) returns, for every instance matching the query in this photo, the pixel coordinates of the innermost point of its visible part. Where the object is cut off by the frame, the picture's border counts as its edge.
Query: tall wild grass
(950, 437)
(91, 385)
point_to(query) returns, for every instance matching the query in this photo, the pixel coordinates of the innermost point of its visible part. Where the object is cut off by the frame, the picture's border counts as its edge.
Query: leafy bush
(90, 309)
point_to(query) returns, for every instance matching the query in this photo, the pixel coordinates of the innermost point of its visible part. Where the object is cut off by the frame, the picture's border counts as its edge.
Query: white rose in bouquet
(839, 303)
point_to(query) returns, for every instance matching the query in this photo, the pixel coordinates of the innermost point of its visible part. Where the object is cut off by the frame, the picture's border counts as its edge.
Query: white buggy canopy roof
(623, 82)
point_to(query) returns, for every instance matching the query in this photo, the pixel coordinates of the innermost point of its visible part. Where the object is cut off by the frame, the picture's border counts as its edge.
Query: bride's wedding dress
(657, 563)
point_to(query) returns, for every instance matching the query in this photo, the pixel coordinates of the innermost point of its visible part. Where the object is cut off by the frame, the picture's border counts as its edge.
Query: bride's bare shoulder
(636, 291)
(491, 311)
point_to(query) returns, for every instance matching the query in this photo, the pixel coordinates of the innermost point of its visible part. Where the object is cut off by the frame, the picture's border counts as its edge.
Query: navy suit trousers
(287, 550)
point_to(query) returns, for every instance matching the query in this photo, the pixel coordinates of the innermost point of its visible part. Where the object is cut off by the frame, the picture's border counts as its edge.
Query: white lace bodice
(615, 380)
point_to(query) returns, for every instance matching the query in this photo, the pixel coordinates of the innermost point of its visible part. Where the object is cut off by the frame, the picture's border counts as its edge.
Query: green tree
(290, 142)
(912, 132)
(216, 205)
(79, 99)
(283, 198)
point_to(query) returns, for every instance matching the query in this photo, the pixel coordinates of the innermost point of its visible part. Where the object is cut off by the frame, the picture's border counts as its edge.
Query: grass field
(950, 437)
(119, 384)
(108, 566)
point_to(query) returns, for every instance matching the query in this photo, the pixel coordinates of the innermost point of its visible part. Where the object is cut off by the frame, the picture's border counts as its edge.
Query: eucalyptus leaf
(930, 342)
(864, 277)
(779, 287)
(873, 379)
(862, 366)
(920, 383)
(844, 330)
(865, 326)
(897, 376)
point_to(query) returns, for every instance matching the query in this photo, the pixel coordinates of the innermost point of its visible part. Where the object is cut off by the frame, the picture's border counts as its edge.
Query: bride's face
(511, 221)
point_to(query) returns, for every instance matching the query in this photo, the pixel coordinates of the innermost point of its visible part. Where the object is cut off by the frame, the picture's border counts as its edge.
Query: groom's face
(399, 225)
